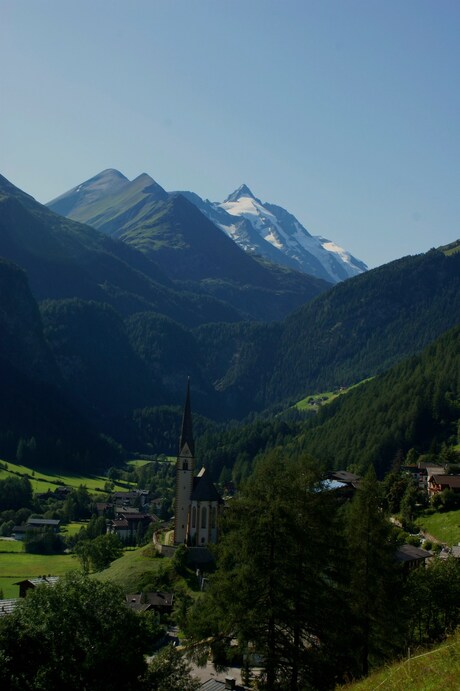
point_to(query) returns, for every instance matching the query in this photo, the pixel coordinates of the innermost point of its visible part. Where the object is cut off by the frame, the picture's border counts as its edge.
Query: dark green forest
(415, 405)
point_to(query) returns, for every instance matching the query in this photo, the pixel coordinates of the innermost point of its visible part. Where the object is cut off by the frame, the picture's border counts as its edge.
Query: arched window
(213, 517)
(185, 465)
(204, 515)
(194, 517)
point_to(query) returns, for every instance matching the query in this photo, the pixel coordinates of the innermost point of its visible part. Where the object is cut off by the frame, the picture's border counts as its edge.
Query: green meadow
(445, 527)
(44, 480)
(17, 566)
(131, 566)
(7, 546)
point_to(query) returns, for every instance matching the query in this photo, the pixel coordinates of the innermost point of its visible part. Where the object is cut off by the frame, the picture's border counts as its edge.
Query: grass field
(425, 671)
(443, 526)
(138, 463)
(72, 528)
(43, 480)
(10, 546)
(18, 566)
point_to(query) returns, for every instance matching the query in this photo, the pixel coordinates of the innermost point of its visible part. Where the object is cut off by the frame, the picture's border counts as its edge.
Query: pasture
(445, 527)
(44, 480)
(17, 566)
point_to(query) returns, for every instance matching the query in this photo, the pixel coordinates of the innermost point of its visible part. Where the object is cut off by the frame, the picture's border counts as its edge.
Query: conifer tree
(275, 587)
(373, 576)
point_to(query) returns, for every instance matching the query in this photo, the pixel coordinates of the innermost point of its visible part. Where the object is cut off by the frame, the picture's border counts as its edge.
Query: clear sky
(345, 112)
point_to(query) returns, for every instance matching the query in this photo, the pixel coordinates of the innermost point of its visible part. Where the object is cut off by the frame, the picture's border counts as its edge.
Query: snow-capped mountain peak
(274, 233)
(242, 191)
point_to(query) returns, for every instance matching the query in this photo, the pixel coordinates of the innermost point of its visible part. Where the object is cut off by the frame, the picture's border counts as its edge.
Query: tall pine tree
(373, 577)
(275, 588)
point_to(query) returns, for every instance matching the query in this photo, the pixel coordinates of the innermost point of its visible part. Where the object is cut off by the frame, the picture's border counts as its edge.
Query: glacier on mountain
(274, 233)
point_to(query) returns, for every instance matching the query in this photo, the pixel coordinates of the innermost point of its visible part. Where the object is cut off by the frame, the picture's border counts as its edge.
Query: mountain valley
(125, 313)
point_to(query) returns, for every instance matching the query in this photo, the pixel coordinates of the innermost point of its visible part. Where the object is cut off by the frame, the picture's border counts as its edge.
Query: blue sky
(345, 112)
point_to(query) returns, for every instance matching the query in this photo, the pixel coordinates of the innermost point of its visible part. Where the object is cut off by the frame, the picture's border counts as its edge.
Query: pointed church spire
(186, 436)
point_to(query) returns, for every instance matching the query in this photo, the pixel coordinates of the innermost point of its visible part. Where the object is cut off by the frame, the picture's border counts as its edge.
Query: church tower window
(194, 517)
(204, 516)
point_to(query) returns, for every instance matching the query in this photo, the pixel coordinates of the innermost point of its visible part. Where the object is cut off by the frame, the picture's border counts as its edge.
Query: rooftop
(410, 553)
(7, 606)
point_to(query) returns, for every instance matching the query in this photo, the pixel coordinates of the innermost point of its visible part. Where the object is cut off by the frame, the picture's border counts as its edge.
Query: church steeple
(185, 466)
(186, 436)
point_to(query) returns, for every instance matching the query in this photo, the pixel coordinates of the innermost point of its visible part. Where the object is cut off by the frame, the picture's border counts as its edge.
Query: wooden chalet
(438, 483)
(412, 557)
(158, 601)
(31, 583)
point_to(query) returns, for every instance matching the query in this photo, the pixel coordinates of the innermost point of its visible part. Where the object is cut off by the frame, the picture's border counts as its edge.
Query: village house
(420, 472)
(438, 483)
(104, 508)
(7, 606)
(412, 557)
(43, 524)
(157, 601)
(31, 583)
(39, 524)
(60, 493)
(126, 525)
(343, 483)
(229, 684)
(135, 498)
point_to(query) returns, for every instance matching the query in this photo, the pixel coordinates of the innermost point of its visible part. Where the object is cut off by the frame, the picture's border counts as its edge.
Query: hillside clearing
(315, 401)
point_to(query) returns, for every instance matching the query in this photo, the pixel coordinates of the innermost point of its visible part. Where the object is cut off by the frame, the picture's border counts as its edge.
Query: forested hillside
(415, 405)
(361, 327)
(37, 416)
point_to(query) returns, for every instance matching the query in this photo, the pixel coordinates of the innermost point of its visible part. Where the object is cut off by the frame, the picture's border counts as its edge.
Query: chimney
(229, 683)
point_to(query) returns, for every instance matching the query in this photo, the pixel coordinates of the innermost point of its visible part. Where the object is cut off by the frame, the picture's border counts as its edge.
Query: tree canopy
(78, 634)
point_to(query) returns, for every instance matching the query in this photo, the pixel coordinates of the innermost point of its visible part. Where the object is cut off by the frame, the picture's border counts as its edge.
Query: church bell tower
(185, 466)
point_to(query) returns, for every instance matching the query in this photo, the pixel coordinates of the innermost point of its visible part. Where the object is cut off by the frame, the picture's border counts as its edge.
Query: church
(197, 499)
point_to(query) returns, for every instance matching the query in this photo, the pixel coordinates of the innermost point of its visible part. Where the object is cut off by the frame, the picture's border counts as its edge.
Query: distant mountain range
(187, 247)
(125, 209)
(98, 332)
